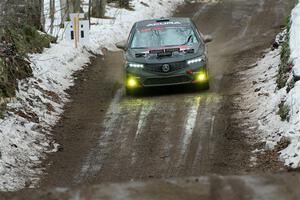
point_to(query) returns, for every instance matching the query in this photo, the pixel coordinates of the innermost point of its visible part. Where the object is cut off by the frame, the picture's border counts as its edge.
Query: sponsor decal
(153, 29)
(163, 24)
(163, 49)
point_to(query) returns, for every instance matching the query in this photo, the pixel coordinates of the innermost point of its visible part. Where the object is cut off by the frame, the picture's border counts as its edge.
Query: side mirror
(207, 38)
(122, 45)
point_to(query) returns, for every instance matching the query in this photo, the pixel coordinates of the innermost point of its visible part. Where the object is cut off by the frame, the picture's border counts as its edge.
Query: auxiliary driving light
(201, 77)
(131, 82)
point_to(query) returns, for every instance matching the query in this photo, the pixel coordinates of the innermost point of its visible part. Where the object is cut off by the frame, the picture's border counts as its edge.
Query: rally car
(164, 52)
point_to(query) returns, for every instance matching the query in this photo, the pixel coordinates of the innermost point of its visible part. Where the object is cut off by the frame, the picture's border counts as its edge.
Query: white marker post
(75, 21)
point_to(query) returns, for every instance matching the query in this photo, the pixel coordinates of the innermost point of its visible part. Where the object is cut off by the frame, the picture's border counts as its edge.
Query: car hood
(163, 55)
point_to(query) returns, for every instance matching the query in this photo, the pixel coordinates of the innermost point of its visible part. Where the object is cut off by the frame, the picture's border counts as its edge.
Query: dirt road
(170, 132)
(275, 187)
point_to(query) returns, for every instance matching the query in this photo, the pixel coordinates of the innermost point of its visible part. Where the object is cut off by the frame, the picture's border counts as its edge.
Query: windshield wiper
(188, 40)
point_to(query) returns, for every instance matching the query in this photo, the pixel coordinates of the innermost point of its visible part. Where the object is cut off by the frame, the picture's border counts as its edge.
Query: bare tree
(74, 6)
(52, 15)
(64, 10)
(98, 8)
(43, 20)
(33, 12)
(69, 6)
(89, 12)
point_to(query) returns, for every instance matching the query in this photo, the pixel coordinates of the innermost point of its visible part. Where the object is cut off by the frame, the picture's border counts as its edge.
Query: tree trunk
(16, 13)
(43, 20)
(2, 24)
(98, 8)
(64, 11)
(67, 7)
(52, 15)
(89, 12)
(33, 12)
(74, 6)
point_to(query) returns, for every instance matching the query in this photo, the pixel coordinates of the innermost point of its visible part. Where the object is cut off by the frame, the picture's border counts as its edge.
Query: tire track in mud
(145, 111)
(134, 128)
(93, 163)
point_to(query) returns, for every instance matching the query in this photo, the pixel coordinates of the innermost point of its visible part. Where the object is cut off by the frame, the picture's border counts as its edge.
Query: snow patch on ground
(261, 104)
(295, 39)
(263, 98)
(25, 129)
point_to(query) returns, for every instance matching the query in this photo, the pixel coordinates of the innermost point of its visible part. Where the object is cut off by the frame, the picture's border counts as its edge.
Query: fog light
(131, 82)
(201, 77)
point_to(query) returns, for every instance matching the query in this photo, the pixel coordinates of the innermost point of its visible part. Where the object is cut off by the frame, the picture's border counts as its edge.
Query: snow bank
(291, 155)
(295, 39)
(25, 129)
(263, 105)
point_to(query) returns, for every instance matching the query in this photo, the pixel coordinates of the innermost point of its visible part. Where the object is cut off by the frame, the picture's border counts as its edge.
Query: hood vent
(139, 55)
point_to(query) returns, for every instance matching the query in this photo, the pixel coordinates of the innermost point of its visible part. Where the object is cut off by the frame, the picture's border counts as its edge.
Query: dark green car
(165, 52)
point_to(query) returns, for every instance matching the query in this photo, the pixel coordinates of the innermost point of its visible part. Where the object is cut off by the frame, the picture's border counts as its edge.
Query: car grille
(158, 67)
(167, 80)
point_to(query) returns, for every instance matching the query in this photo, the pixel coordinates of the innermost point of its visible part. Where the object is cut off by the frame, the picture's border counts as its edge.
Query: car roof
(174, 21)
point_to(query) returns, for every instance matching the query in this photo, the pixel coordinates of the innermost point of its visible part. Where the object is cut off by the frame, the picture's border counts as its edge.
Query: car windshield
(158, 37)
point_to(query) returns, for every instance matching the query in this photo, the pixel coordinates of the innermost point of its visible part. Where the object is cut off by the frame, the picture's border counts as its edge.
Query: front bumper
(197, 76)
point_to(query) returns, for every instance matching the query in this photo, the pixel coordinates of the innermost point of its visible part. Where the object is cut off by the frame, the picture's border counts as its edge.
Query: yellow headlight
(131, 82)
(201, 77)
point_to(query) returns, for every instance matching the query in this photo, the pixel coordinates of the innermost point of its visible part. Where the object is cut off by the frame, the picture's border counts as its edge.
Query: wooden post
(76, 30)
